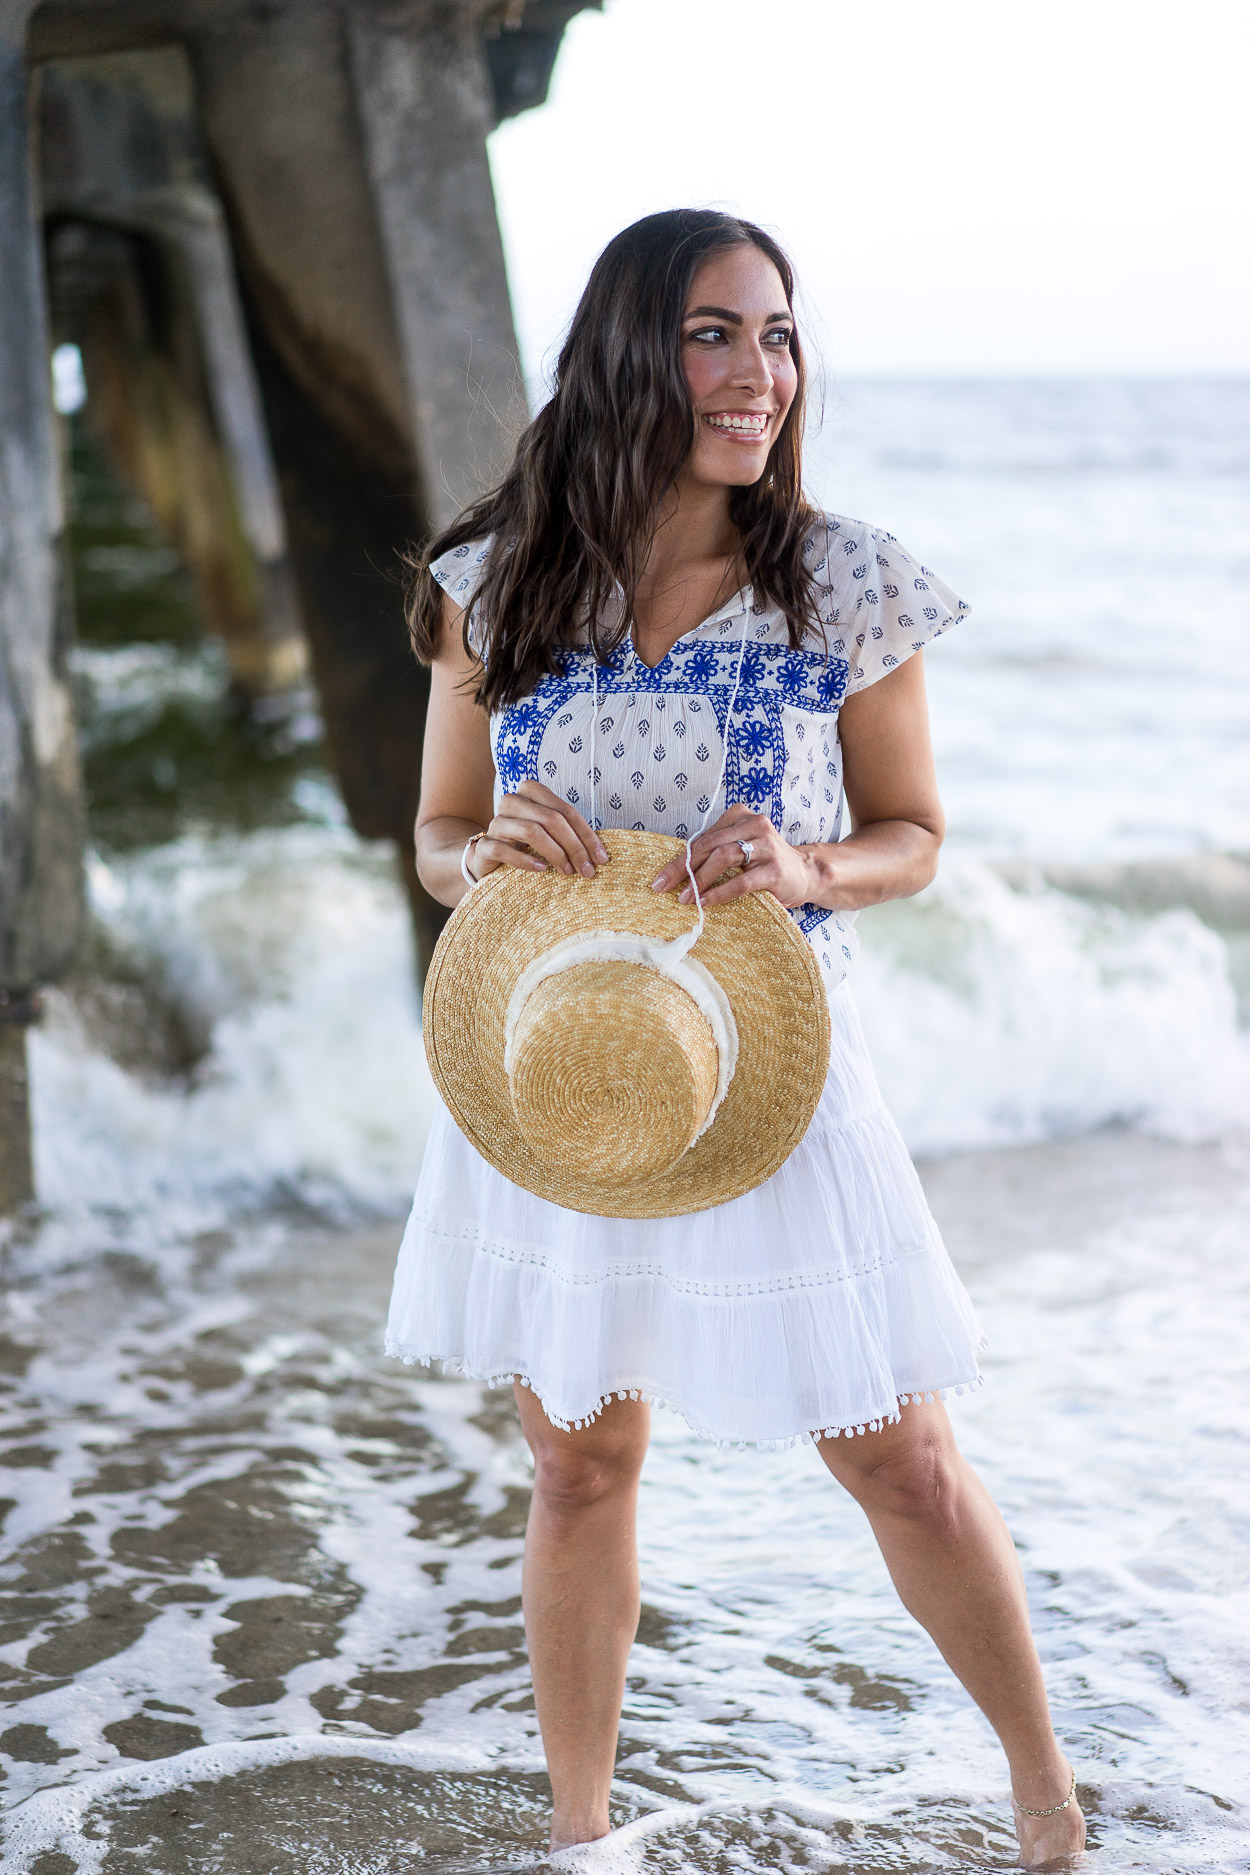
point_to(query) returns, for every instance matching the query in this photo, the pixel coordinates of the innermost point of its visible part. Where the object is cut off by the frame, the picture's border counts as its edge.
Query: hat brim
(752, 947)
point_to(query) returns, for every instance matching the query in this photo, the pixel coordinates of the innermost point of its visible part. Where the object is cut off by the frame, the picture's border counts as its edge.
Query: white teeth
(757, 425)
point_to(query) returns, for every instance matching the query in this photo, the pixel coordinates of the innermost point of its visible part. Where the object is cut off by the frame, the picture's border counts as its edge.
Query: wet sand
(260, 1600)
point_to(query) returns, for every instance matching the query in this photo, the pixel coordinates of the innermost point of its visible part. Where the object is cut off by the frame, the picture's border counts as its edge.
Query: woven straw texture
(633, 1164)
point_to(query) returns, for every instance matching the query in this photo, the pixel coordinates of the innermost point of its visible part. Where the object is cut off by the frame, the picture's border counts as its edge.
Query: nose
(754, 371)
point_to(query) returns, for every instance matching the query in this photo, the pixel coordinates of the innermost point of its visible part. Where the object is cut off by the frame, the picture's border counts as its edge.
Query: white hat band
(669, 958)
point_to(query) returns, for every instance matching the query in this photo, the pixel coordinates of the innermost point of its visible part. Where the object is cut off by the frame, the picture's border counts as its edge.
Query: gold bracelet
(1022, 1809)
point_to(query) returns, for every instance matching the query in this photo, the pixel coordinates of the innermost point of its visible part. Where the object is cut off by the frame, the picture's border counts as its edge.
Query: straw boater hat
(602, 1054)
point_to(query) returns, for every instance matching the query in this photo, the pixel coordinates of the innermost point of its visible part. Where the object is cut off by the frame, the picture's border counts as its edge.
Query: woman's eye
(778, 338)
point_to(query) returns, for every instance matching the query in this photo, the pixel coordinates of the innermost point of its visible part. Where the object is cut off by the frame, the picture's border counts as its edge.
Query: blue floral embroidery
(792, 675)
(766, 678)
(756, 786)
(779, 694)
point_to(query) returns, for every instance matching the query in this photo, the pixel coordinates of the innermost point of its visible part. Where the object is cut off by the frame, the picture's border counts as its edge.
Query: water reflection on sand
(261, 1601)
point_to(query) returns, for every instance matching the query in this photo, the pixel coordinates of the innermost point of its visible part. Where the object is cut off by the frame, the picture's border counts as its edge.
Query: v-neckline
(737, 600)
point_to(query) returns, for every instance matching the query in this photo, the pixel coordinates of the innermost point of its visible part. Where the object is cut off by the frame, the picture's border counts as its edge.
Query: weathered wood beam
(41, 811)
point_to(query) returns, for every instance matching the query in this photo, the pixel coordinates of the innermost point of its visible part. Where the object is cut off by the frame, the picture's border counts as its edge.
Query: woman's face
(735, 353)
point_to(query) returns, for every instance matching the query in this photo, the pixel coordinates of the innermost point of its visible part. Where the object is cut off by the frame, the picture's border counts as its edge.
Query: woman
(645, 605)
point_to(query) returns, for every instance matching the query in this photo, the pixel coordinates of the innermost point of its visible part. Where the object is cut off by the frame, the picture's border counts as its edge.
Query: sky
(965, 186)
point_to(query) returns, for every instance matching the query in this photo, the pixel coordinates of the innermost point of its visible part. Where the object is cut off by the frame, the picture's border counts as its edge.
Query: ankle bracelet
(1022, 1809)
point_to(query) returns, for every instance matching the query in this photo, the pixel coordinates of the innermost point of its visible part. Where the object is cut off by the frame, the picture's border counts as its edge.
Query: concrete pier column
(17, 1172)
(426, 106)
(279, 112)
(273, 658)
(143, 282)
(41, 811)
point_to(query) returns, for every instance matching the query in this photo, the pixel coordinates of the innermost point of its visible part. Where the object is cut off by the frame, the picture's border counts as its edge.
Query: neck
(695, 529)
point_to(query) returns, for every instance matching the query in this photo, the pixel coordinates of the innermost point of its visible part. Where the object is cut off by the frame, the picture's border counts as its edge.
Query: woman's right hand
(535, 830)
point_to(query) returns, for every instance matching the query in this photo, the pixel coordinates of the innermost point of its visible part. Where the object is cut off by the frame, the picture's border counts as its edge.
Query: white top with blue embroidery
(660, 735)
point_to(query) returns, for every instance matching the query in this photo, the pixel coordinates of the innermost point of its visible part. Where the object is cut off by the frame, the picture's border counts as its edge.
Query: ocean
(261, 1586)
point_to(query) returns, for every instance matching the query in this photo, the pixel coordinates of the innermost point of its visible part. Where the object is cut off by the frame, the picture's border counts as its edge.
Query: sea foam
(997, 1017)
(994, 1016)
(289, 953)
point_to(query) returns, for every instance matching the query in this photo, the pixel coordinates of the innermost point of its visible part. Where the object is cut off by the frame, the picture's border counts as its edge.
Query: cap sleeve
(879, 603)
(459, 570)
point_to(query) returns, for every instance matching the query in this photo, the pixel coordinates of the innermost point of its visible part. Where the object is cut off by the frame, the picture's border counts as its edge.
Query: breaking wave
(245, 1030)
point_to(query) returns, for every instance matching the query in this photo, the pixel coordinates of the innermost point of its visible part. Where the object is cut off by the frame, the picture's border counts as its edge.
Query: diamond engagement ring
(748, 847)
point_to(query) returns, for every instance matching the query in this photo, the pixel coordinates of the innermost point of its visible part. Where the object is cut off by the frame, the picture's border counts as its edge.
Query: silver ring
(748, 847)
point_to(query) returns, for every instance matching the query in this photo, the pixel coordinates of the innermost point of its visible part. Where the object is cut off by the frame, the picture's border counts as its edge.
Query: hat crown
(747, 970)
(612, 1068)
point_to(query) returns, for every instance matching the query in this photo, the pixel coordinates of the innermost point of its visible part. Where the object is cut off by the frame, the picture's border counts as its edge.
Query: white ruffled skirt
(814, 1305)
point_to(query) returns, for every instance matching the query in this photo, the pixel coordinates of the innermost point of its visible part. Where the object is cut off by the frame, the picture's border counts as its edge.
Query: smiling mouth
(747, 426)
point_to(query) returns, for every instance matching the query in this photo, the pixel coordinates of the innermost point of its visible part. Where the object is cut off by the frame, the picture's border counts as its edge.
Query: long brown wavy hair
(574, 518)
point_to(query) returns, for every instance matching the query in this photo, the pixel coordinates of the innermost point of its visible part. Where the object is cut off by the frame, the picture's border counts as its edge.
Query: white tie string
(682, 944)
(679, 946)
(594, 724)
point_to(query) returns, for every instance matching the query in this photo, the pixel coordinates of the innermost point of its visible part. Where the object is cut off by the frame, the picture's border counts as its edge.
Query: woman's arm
(533, 828)
(891, 789)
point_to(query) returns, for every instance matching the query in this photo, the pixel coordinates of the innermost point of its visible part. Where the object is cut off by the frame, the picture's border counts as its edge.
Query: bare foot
(574, 1837)
(1051, 1842)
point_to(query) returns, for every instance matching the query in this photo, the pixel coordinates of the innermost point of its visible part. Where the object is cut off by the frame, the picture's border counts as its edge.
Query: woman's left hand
(775, 866)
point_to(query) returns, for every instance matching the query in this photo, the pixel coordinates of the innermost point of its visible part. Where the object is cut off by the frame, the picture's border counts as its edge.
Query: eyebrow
(732, 318)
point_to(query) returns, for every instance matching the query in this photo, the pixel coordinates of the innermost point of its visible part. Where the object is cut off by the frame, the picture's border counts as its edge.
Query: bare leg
(956, 1570)
(580, 1593)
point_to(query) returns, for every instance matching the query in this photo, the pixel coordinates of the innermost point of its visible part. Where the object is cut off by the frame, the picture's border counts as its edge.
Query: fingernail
(589, 870)
(683, 897)
(601, 854)
(657, 885)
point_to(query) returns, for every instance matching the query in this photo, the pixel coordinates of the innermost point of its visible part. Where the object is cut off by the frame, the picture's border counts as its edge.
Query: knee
(922, 1486)
(573, 1471)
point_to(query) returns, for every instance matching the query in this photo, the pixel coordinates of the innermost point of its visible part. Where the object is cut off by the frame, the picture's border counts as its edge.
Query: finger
(713, 870)
(535, 791)
(734, 824)
(677, 870)
(535, 834)
(531, 790)
(730, 841)
(489, 854)
(559, 827)
(586, 848)
(552, 834)
(712, 861)
(740, 886)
